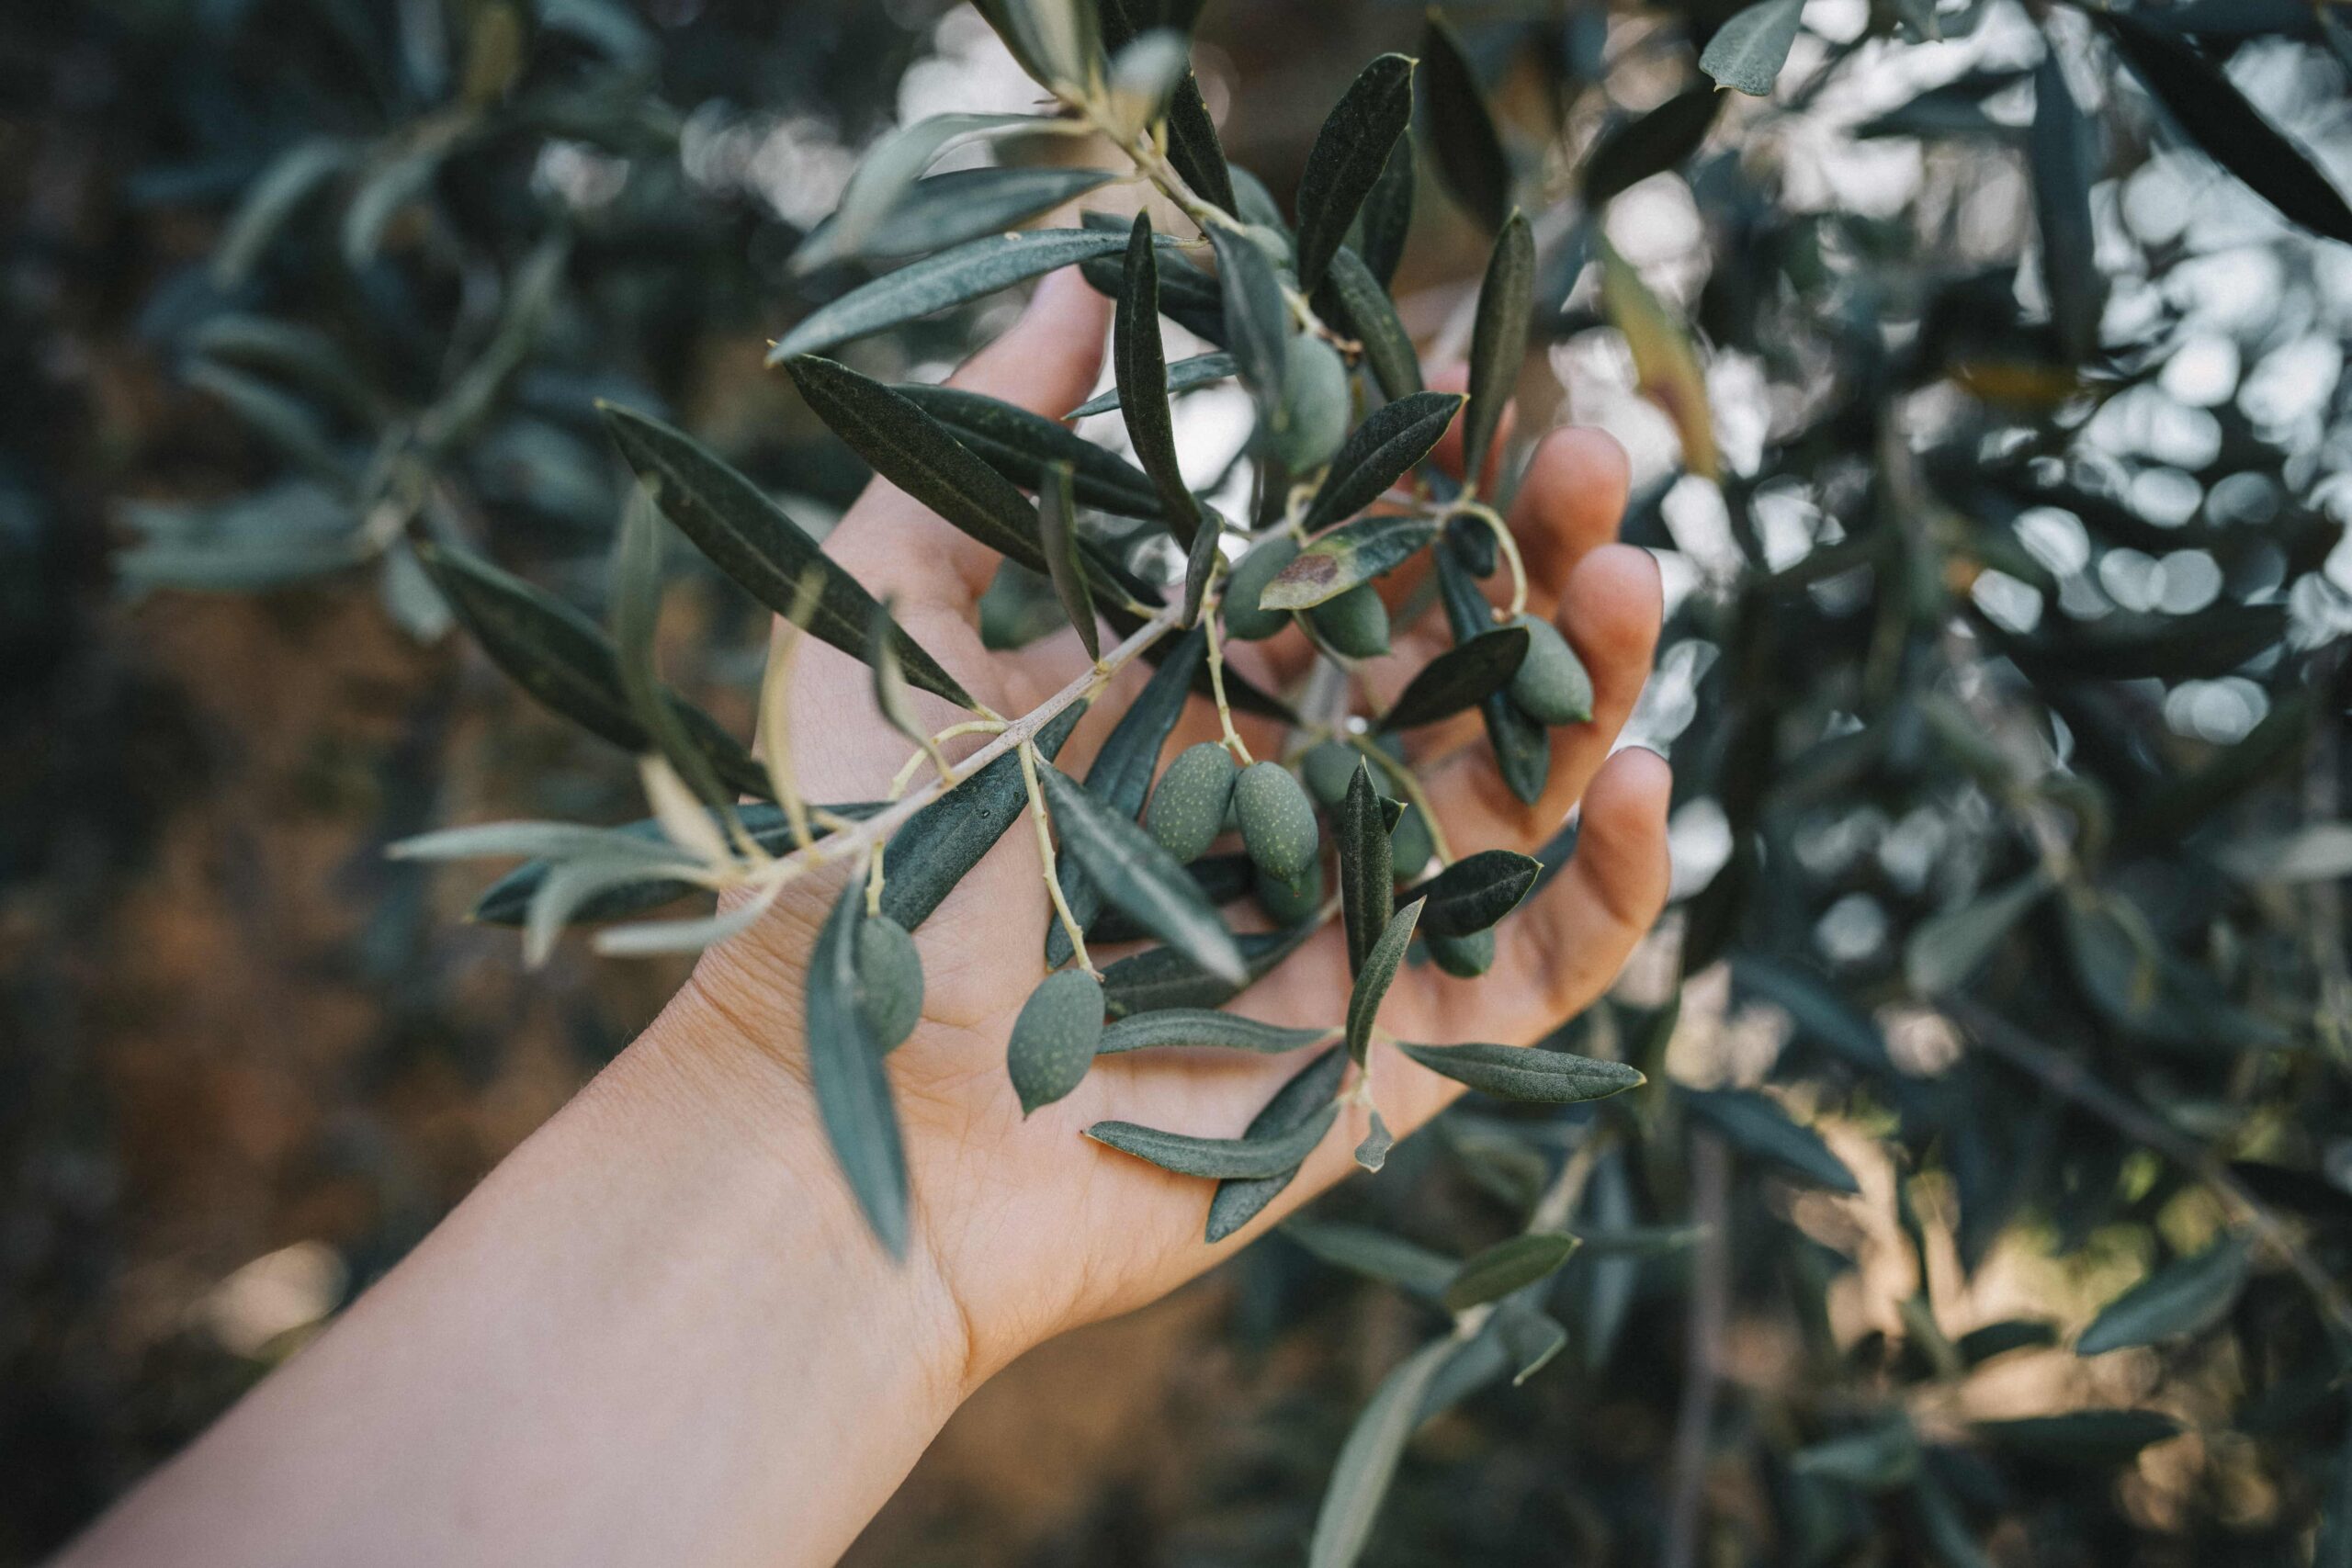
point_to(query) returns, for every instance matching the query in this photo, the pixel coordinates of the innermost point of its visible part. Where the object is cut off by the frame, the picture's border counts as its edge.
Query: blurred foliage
(1993, 442)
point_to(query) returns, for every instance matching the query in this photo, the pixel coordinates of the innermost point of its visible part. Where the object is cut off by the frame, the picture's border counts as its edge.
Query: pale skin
(659, 1332)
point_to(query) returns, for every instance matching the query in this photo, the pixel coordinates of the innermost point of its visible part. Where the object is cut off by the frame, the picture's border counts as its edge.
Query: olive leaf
(1378, 453)
(292, 179)
(1357, 302)
(2214, 115)
(940, 210)
(890, 691)
(935, 283)
(934, 849)
(1257, 319)
(1368, 1459)
(1532, 1337)
(1188, 295)
(1474, 891)
(845, 1074)
(1372, 1152)
(1523, 749)
(1387, 216)
(1367, 878)
(1818, 1011)
(1462, 133)
(1946, 948)
(1192, 146)
(1380, 966)
(1462, 677)
(562, 658)
(1666, 365)
(1203, 1027)
(1349, 154)
(1506, 1266)
(1058, 534)
(1755, 1123)
(1022, 446)
(2059, 153)
(1120, 776)
(2187, 1296)
(1135, 875)
(884, 178)
(1161, 977)
(2092, 1437)
(1220, 1158)
(1652, 143)
(1201, 564)
(1498, 339)
(1374, 1254)
(915, 452)
(1239, 1200)
(758, 546)
(1749, 50)
(1140, 366)
(1532, 1073)
(1350, 555)
(1183, 375)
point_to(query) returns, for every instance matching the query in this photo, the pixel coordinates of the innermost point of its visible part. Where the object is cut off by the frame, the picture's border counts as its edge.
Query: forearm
(658, 1333)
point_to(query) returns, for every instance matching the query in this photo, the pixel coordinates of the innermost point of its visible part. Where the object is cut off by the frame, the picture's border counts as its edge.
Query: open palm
(1031, 1227)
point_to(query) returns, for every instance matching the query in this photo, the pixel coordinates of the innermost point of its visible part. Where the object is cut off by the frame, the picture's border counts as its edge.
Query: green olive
(1187, 809)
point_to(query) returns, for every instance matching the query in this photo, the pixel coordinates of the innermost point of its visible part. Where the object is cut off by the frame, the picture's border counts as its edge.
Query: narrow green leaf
(1462, 133)
(890, 693)
(935, 283)
(1387, 216)
(1374, 1254)
(2214, 115)
(1651, 142)
(560, 657)
(1022, 446)
(1498, 339)
(1532, 1337)
(884, 179)
(1135, 874)
(1372, 1152)
(1242, 1199)
(1368, 877)
(1121, 776)
(1357, 303)
(1368, 1459)
(934, 849)
(1756, 1125)
(2188, 1296)
(2059, 151)
(1203, 1027)
(1462, 677)
(1221, 1158)
(1474, 891)
(846, 1073)
(274, 197)
(942, 210)
(1818, 1010)
(2098, 1438)
(1378, 453)
(1193, 144)
(1380, 966)
(1057, 534)
(1349, 555)
(1946, 948)
(1201, 563)
(758, 546)
(1534, 1075)
(1523, 749)
(1140, 364)
(1506, 1266)
(1257, 319)
(913, 451)
(1223, 879)
(1349, 154)
(1161, 977)
(1183, 376)
(1747, 52)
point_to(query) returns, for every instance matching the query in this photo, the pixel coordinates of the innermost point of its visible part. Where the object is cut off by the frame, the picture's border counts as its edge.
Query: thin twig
(1028, 755)
(1710, 1309)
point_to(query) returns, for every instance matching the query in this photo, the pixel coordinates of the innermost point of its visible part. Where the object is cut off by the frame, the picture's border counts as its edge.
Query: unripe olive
(1355, 624)
(1409, 844)
(1277, 818)
(1187, 809)
(1054, 1039)
(889, 980)
(1293, 902)
(1551, 687)
(1260, 565)
(1328, 765)
(1466, 957)
(1312, 418)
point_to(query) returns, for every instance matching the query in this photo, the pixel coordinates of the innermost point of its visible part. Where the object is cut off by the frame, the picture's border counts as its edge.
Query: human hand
(1022, 1227)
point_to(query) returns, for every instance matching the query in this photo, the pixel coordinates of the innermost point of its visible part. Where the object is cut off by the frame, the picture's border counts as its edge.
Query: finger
(1045, 363)
(1610, 615)
(1570, 504)
(1447, 455)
